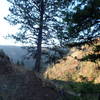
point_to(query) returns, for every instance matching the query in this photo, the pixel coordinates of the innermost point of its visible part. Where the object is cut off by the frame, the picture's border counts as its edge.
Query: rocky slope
(77, 67)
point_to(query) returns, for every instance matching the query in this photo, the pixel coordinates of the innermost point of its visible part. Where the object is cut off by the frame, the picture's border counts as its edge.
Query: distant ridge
(16, 53)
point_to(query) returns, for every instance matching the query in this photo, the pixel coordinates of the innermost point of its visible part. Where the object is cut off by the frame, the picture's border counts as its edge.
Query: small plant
(94, 56)
(20, 63)
(96, 48)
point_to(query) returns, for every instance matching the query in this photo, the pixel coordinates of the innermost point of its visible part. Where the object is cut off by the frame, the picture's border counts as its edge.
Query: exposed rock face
(5, 64)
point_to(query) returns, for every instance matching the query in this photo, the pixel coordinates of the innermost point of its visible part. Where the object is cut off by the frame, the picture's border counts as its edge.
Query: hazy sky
(5, 27)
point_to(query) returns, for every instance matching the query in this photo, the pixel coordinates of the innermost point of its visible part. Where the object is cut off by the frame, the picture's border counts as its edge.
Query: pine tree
(83, 20)
(37, 20)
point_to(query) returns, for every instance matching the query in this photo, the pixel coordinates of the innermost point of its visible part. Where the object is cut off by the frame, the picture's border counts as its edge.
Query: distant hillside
(16, 53)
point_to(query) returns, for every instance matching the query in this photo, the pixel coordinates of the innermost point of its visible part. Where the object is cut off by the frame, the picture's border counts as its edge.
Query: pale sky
(5, 27)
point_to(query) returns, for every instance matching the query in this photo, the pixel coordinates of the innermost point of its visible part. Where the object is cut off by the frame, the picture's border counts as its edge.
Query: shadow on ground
(70, 90)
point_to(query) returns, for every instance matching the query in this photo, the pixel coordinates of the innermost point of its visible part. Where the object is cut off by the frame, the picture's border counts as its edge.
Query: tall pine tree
(37, 20)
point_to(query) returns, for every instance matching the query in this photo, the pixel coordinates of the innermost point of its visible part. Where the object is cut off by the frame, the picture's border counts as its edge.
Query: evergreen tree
(37, 20)
(83, 20)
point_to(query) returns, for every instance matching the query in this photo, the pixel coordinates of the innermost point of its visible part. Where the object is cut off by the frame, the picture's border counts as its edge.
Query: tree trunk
(39, 41)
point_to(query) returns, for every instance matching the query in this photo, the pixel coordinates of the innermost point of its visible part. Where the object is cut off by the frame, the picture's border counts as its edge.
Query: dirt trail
(24, 86)
(17, 83)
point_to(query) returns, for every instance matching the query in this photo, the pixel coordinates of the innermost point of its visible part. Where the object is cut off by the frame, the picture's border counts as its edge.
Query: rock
(5, 64)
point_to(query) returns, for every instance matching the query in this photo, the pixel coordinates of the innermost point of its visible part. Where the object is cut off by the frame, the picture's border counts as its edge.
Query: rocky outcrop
(5, 64)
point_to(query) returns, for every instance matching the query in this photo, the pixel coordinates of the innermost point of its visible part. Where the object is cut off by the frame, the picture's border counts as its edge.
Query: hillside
(75, 72)
(16, 54)
(20, 84)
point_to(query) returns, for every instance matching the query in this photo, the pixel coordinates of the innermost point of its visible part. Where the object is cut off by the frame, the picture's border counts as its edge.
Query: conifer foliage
(84, 20)
(37, 20)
